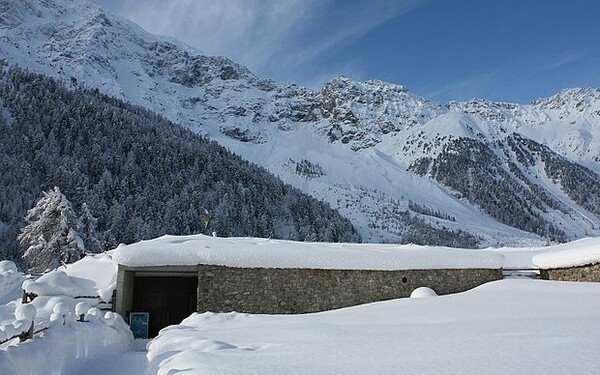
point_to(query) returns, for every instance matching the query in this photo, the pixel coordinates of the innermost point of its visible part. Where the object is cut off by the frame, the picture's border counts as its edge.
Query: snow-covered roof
(573, 254)
(269, 253)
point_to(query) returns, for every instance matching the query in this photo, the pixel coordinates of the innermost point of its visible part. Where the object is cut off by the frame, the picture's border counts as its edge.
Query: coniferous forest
(140, 175)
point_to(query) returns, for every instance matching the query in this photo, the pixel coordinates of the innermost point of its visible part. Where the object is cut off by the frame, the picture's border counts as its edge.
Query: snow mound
(10, 281)
(58, 283)
(7, 266)
(25, 312)
(99, 268)
(61, 344)
(61, 308)
(82, 308)
(67, 349)
(268, 253)
(423, 292)
(91, 276)
(578, 253)
(165, 352)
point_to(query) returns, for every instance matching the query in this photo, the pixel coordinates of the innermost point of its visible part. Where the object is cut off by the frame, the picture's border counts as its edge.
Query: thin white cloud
(345, 25)
(248, 30)
(499, 80)
(480, 84)
(269, 36)
(566, 58)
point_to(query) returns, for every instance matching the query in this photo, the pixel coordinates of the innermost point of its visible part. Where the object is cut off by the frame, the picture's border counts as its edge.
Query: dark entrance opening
(168, 299)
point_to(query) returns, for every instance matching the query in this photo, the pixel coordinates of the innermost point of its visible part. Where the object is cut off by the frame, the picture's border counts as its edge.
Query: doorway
(167, 299)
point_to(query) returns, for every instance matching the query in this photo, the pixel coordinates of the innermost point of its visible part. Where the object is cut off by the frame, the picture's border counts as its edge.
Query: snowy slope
(568, 122)
(368, 148)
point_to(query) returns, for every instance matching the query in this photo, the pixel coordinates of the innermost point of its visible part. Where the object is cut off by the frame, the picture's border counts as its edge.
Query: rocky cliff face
(501, 171)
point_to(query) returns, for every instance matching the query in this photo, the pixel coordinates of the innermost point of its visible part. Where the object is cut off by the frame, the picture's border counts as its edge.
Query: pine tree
(123, 161)
(88, 230)
(51, 237)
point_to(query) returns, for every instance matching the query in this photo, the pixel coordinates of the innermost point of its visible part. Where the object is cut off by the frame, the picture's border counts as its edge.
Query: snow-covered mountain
(402, 168)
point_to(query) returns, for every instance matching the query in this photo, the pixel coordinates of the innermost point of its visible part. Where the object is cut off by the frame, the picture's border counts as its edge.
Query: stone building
(171, 277)
(575, 261)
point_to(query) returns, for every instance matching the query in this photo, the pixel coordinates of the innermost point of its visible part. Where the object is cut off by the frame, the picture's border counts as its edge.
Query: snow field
(528, 326)
(509, 326)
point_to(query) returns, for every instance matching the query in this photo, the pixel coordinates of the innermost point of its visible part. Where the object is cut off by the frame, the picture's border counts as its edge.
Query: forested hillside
(378, 153)
(138, 173)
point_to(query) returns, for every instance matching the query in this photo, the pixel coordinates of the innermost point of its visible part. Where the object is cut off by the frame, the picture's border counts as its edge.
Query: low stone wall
(583, 273)
(277, 291)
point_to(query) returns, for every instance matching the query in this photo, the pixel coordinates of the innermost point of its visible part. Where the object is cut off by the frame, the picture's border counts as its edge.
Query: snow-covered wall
(575, 261)
(293, 290)
(589, 273)
(573, 254)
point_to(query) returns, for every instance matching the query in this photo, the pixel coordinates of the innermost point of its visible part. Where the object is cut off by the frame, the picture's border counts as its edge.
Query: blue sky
(506, 50)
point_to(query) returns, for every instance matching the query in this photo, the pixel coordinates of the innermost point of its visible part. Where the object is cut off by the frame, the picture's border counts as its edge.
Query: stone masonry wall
(277, 291)
(584, 273)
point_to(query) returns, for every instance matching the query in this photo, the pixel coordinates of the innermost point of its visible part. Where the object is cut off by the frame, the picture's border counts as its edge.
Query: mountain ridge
(365, 140)
(140, 175)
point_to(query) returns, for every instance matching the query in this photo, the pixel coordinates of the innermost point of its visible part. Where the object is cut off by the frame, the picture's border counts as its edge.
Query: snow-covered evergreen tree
(88, 230)
(52, 235)
(143, 178)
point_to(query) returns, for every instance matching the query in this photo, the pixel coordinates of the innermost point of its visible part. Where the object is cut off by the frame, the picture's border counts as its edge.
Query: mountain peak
(342, 81)
(576, 98)
(14, 12)
(349, 134)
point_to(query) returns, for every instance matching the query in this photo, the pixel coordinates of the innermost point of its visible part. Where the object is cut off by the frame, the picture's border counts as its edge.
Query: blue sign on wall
(138, 322)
